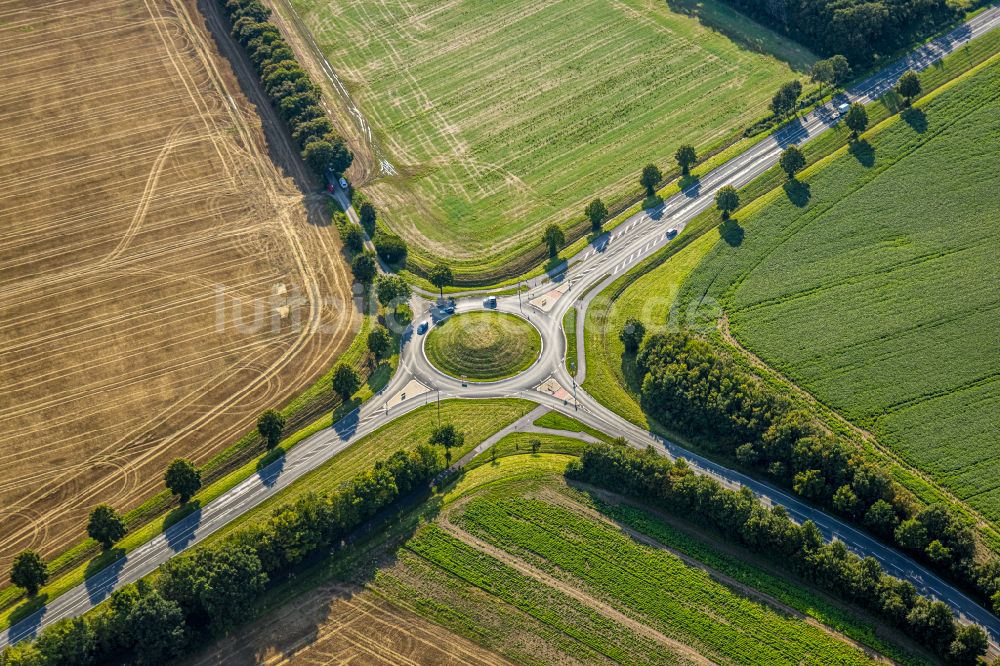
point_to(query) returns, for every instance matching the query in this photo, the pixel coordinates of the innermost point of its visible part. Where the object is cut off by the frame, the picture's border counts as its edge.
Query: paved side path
(521, 425)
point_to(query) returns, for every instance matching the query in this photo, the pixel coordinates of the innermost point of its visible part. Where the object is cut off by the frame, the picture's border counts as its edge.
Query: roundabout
(483, 346)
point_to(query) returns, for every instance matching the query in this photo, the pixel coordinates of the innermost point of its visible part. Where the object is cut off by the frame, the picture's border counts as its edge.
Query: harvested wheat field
(335, 626)
(139, 200)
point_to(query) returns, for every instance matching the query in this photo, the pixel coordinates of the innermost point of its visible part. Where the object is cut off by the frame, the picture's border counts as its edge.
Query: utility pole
(439, 408)
(519, 306)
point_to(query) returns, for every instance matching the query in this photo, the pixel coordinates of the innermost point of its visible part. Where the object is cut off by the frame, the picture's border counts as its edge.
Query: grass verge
(569, 329)
(559, 421)
(478, 419)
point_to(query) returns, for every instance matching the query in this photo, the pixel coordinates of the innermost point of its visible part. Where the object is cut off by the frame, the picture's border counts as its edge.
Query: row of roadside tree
(294, 95)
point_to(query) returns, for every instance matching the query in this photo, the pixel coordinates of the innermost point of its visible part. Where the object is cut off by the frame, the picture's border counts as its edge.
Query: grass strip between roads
(559, 421)
(569, 329)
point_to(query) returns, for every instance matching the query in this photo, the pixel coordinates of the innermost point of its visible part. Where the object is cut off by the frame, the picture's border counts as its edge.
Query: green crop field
(650, 295)
(483, 346)
(531, 569)
(501, 117)
(880, 294)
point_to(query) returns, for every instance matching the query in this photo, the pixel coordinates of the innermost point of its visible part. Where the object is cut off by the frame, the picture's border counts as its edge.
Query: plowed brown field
(138, 201)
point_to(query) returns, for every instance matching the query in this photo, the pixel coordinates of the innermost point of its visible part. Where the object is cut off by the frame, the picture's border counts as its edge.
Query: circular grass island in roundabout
(483, 346)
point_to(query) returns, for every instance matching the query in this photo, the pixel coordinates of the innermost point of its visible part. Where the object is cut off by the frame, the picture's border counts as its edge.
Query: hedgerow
(859, 29)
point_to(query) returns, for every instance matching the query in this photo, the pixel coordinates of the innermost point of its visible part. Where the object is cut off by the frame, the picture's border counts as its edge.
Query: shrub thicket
(858, 29)
(390, 247)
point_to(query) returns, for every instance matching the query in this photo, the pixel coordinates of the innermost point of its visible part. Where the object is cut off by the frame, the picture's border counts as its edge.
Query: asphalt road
(635, 239)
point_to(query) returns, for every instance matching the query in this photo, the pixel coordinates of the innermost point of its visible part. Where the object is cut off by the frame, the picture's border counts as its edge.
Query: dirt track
(138, 194)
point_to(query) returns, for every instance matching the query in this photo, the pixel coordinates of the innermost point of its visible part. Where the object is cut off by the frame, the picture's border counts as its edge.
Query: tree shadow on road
(181, 513)
(555, 267)
(690, 185)
(26, 613)
(180, 535)
(270, 467)
(347, 425)
(101, 574)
